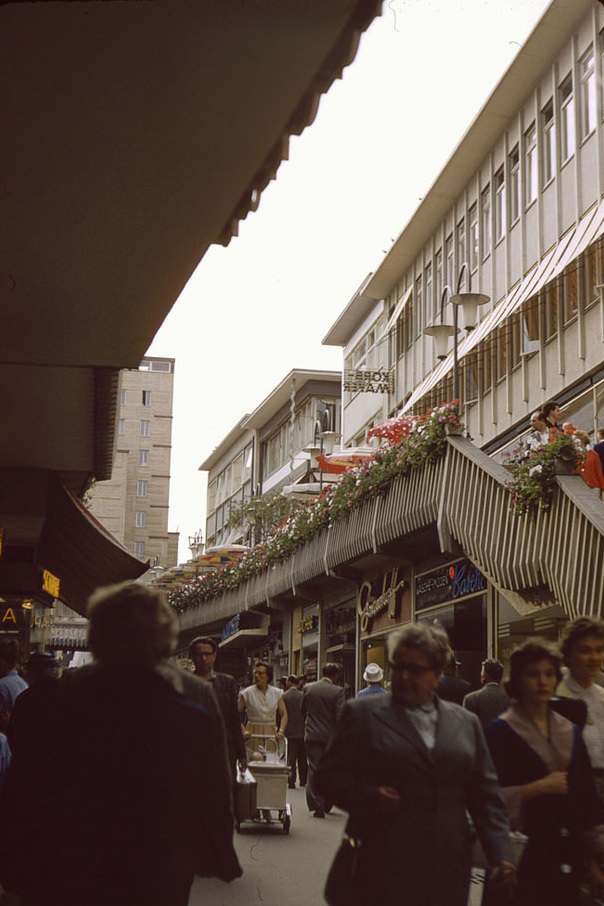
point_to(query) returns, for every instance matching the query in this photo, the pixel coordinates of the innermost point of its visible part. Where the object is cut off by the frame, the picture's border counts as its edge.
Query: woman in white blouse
(261, 702)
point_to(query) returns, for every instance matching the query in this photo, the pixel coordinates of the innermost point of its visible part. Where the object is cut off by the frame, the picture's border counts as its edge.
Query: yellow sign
(9, 614)
(50, 584)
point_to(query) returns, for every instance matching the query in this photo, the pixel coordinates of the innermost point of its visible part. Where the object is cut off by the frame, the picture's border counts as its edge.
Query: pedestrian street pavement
(286, 870)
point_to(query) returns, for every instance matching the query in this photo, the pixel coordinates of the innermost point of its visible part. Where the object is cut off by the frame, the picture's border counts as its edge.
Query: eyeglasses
(411, 669)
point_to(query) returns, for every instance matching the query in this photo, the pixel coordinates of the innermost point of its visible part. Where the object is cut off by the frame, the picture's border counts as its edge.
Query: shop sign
(51, 584)
(340, 620)
(448, 583)
(379, 381)
(369, 605)
(11, 619)
(308, 624)
(231, 627)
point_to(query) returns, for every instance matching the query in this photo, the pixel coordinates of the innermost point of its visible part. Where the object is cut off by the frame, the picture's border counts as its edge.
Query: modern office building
(516, 214)
(133, 505)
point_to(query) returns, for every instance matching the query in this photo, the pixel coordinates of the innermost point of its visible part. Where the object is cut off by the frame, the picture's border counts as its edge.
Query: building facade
(517, 212)
(133, 505)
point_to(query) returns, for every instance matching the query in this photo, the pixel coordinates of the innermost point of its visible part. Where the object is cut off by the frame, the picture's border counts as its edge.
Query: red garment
(591, 470)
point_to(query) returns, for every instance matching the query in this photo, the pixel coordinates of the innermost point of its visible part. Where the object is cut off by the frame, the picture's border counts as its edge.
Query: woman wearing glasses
(406, 767)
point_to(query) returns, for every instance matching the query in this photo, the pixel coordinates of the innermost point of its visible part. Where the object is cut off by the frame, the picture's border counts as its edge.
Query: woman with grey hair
(407, 767)
(136, 772)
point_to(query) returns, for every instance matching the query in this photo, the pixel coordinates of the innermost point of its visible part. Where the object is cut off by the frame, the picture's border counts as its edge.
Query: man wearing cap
(373, 676)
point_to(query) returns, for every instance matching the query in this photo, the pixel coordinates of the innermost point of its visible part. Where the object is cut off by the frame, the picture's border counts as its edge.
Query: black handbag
(341, 888)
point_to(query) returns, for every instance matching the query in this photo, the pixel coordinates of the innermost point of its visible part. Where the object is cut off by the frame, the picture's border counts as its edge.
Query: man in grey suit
(492, 700)
(294, 732)
(321, 707)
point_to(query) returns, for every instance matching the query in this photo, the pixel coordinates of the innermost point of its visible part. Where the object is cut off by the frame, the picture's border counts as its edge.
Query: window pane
(145, 428)
(473, 217)
(549, 142)
(499, 204)
(146, 397)
(530, 165)
(143, 457)
(485, 216)
(514, 164)
(141, 488)
(121, 426)
(141, 519)
(587, 74)
(567, 119)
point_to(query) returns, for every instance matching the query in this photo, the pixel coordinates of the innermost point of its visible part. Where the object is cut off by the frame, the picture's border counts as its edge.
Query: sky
(255, 310)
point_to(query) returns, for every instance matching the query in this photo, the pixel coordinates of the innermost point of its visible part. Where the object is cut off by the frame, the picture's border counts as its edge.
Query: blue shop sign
(231, 627)
(448, 583)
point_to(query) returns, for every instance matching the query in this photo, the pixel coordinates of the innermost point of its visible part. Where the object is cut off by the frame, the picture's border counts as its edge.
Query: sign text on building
(369, 605)
(448, 584)
(365, 381)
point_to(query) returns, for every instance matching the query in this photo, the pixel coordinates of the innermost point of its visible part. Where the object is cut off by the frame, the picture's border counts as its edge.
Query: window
(122, 397)
(514, 164)
(146, 397)
(121, 427)
(587, 87)
(530, 165)
(502, 351)
(499, 180)
(449, 263)
(461, 244)
(429, 291)
(438, 281)
(551, 309)
(212, 488)
(485, 218)
(141, 519)
(145, 428)
(567, 119)
(419, 306)
(473, 220)
(141, 488)
(570, 293)
(139, 549)
(470, 371)
(549, 143)
(143, 457)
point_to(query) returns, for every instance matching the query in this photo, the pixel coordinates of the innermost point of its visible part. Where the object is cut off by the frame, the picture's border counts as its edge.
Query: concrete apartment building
(518, 208)
(133, 504)
(265, 452)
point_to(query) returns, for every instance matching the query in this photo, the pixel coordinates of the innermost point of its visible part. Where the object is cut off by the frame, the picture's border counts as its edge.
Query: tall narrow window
(449, 275)
(145, 428)
(141, 519)
(143, 457)
(499, 180)
(419, 306)
(122, 397)
(146, 397)
(461, 243)
(121, 427)
(429, 289)
(530, 165)
(567, 118)
(438, 281)
(514, 163)
(587, 76)
(141, 488)
(485, 221)
(549, 142)
(139, 549)
(473, 220)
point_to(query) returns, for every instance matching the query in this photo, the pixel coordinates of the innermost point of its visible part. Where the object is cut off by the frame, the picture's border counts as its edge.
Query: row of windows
(151, 365)
(146, 397)
(546, 145)
(144, 428)
(537, 323)
(237, 473)
(278, 449)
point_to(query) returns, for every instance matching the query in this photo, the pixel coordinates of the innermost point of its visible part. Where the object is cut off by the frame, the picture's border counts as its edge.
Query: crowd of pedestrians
(140, 758)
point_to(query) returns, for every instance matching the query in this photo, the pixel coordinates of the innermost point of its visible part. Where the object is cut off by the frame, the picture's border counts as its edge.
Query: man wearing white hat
(373, 676)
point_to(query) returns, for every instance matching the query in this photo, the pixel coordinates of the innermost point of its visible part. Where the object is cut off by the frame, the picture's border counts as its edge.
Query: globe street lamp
(469, 302)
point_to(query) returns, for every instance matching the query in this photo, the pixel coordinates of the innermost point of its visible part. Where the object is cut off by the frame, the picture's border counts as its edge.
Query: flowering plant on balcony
(425, 443)
(534, 468)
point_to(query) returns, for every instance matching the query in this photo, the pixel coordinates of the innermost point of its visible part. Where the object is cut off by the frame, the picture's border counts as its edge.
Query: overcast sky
(255, 310)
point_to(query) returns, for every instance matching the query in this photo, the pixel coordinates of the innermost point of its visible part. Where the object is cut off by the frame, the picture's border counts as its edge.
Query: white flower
(537, 468)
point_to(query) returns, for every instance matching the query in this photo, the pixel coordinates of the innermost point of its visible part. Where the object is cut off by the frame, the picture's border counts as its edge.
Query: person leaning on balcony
(539, 433)
(553, 415)
(591, 470)
(582, 647)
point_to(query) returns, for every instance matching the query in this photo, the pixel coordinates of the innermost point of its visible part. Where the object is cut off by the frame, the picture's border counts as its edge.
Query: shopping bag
(246, 790)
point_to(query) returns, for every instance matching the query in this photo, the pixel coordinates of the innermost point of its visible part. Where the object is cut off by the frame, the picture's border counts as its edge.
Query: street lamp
(469, 302)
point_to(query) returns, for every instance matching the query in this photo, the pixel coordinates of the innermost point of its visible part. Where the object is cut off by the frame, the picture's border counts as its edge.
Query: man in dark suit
(492, 700)
(202, 652)
(294, 732)
(452, 688)
(321, 707)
